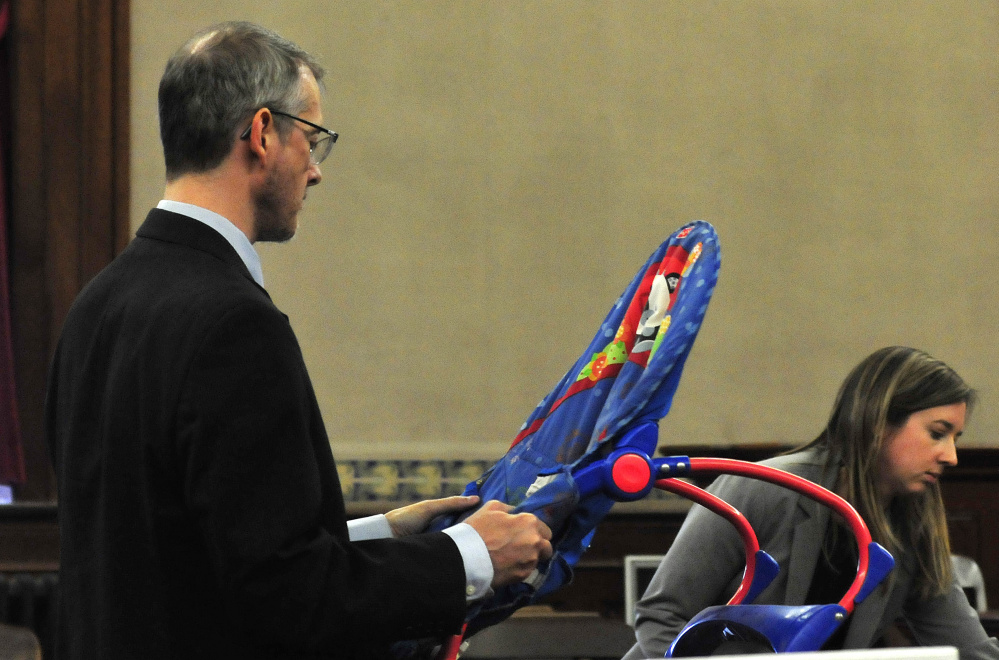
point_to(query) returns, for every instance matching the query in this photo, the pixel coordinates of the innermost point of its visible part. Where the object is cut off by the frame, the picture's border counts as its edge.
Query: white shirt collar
(236, 238)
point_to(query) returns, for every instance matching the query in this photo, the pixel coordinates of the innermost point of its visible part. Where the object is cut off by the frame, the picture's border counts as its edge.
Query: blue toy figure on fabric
(626, 377)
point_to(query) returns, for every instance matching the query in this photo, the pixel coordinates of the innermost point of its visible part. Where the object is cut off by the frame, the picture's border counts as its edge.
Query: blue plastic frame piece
(643, 437)
(672, 466)
(879, 564)
(785, 628)
(766, 570)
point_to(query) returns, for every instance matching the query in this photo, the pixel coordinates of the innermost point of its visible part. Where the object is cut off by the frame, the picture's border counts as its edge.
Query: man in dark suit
(200, 511)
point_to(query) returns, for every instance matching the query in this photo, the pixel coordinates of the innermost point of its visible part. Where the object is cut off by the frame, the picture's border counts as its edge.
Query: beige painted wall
(504, 168)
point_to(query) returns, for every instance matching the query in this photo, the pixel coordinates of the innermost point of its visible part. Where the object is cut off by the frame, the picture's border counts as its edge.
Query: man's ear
(261, 133)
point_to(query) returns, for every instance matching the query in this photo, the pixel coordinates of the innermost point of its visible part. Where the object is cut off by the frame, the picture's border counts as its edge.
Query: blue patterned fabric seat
(625, 378)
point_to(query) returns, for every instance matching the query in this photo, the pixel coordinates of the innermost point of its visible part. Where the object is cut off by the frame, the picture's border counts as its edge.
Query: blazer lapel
(807, 535)
(806, 545)
(866, 619)
(869, 616)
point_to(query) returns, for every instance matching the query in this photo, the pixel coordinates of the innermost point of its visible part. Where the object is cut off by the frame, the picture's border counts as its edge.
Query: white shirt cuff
(371, 527)
(475, 555)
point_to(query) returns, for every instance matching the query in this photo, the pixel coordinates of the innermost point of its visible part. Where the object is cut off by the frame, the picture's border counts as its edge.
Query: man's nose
(315, 175)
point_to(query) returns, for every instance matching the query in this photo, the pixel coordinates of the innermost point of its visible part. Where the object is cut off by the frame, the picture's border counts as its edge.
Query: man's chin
(277, 234)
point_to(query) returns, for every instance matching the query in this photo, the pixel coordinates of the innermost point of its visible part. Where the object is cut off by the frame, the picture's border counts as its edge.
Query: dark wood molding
(29, 538)
(69, 183)
(972, 511)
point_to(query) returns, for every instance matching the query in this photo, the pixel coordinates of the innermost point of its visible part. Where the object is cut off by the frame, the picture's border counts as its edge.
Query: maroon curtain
(11, 456)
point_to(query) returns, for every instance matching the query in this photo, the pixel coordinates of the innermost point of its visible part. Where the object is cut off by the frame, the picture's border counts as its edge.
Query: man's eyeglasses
(319, 148)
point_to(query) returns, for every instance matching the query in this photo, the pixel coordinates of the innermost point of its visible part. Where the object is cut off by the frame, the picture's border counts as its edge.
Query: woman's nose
(949, 455)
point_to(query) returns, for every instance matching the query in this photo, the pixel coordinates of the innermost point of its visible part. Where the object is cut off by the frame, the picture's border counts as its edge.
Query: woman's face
(914, 455)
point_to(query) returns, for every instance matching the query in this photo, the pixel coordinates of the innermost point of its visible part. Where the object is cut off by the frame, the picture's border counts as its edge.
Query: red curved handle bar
(812, 490)
(452, 645)
(729, 513)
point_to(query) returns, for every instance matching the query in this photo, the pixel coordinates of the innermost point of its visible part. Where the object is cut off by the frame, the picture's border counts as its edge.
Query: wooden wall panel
(69, 182)
(972, 512)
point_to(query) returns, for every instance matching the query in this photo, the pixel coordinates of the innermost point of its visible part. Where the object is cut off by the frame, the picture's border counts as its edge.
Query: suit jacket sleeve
(261, 485)
(949, 620)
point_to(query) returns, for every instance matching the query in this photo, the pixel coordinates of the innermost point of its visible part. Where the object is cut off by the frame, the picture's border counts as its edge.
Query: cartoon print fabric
(627, 375)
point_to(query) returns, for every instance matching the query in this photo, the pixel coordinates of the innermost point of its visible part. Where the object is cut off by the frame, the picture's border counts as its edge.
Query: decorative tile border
(406, 481)
(400, 482)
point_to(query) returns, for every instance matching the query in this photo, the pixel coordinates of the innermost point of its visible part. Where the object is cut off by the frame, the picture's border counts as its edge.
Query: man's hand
(516, 542)
(413, 519)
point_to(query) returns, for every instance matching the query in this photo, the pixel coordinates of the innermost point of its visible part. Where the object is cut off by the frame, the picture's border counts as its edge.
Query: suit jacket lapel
(867, 616)
(870, 616)
(807, 536)
(806, 545)
(866, 619)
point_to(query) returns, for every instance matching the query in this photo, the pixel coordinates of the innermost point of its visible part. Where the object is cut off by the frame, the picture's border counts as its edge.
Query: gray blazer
(704, 566)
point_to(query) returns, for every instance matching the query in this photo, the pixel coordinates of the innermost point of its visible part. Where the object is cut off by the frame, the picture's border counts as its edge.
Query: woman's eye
(937, 435)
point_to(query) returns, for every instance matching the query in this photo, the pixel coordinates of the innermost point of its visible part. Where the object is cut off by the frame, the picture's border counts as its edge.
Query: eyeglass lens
(321, 149)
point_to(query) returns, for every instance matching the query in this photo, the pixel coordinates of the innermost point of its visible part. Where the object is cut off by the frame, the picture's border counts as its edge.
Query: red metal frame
(729, 513)
(812, 490)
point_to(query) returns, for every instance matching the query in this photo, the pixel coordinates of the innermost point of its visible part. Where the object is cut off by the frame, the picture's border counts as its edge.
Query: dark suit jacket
(199, 505)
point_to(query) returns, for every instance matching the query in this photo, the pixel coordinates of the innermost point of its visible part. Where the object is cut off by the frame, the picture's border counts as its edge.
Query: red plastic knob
(631, 473)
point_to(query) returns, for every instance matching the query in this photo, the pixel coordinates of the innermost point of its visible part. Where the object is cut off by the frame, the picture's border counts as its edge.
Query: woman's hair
(218, 79)
(877, 397)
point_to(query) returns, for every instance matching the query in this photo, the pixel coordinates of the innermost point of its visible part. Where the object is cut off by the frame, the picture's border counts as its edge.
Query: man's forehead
(312, 91)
